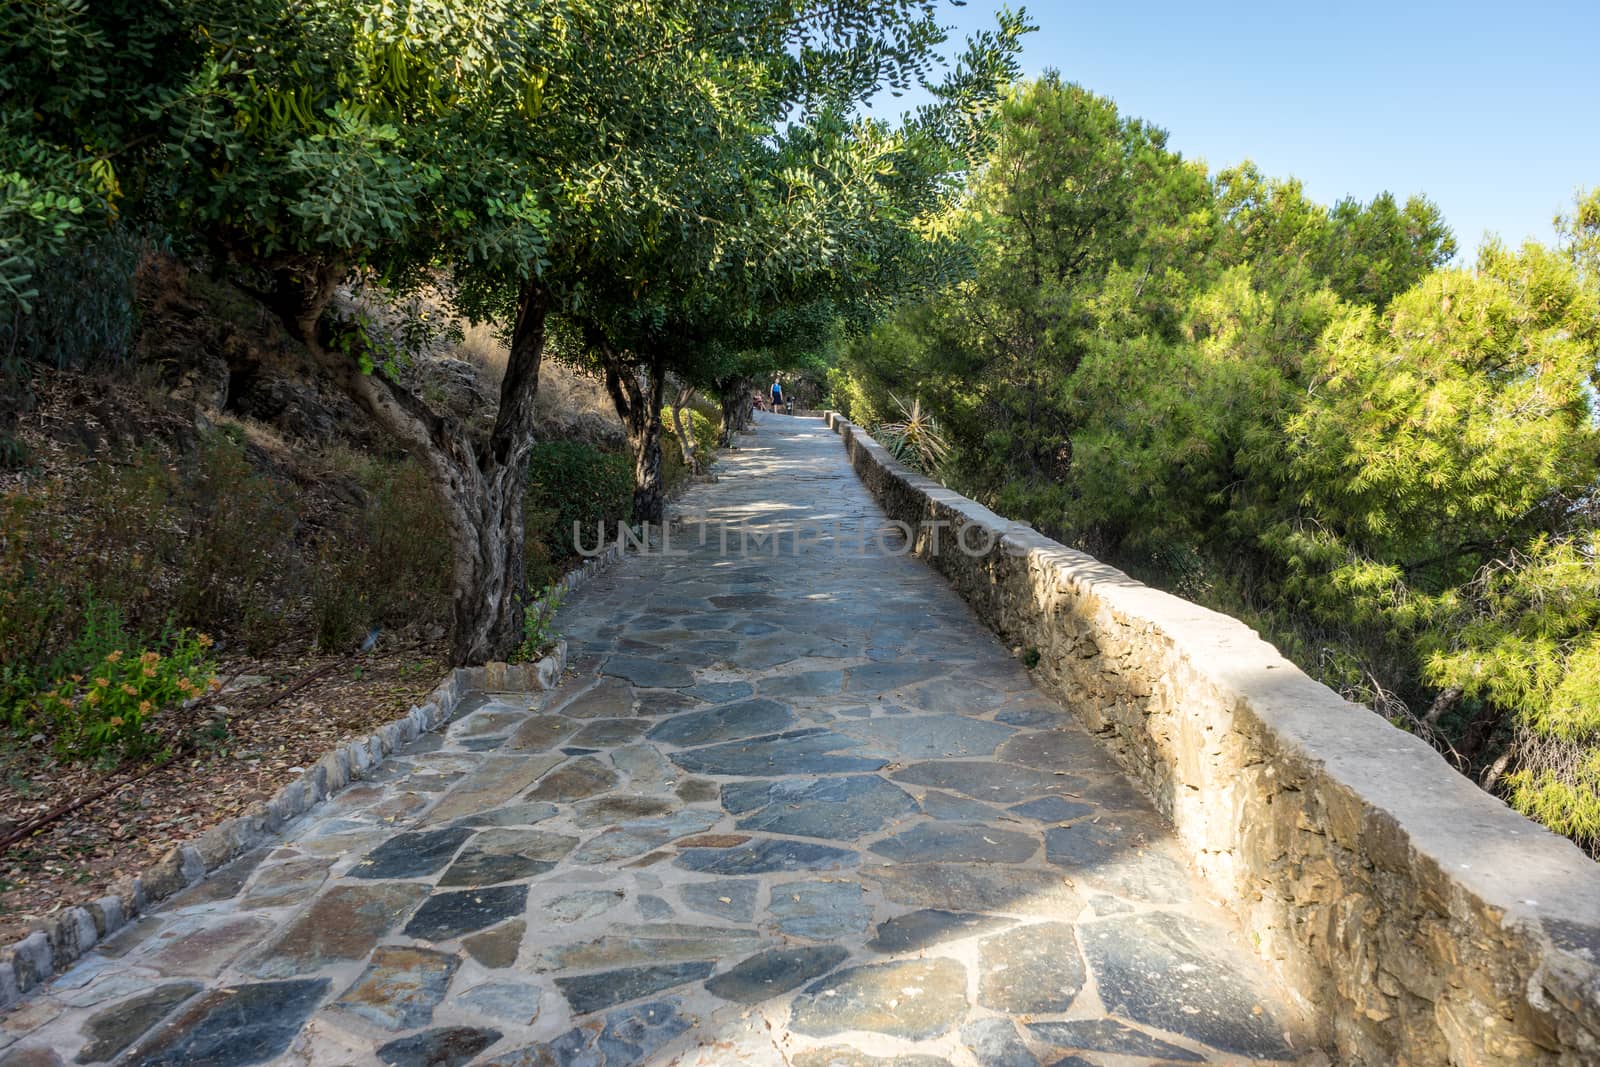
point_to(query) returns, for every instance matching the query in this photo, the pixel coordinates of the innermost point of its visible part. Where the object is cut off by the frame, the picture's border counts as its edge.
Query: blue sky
(1491, 110)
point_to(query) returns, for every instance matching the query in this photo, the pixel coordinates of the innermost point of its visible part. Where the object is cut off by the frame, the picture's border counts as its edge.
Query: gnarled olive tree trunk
(733, 396)
(685, 435)
(480, 490)
(636, 392)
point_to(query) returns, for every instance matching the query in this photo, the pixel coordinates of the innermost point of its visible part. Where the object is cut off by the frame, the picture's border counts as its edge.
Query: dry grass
(572, 404)
(482, 346)
(565, 392)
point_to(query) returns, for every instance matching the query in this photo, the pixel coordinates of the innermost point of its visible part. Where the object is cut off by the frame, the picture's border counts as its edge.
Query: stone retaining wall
(1417, 919)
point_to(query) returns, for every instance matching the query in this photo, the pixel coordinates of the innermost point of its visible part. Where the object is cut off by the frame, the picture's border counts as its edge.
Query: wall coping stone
(60, 940)
(1416, 917)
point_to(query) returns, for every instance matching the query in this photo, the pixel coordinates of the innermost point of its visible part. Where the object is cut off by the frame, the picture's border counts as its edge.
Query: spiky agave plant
(916, 440)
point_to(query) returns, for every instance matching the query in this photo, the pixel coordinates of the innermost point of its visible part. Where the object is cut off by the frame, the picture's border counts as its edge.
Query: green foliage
(238, 527)
(915, 439)
(388, 565)
(84, 86)
(206, 541)
(103, 694)
(538, 626)
(81, 313)
(702, 430)
(1299, 415)
(572, 487)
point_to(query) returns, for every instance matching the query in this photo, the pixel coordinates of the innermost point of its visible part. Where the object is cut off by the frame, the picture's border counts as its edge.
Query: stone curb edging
(1416, 918)
(68, 935)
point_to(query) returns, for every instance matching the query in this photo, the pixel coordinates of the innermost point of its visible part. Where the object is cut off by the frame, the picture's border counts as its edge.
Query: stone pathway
(801, 811)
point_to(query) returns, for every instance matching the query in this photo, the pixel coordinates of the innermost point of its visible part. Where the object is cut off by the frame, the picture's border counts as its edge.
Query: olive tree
(552, 157)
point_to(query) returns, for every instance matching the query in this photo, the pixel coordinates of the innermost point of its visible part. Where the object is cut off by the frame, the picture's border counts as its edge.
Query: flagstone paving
(797, 810)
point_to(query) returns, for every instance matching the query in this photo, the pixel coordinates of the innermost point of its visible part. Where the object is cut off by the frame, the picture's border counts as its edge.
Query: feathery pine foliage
(1298, 414)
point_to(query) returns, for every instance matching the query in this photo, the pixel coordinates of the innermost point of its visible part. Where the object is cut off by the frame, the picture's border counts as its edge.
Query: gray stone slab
(449, 1046)
(507, 1000)
(507, 855)
(497, 779)
(1006, 890)
(839, 809)
(746, 718)
(412, 855)
(748, 795)
(641, 835)
(915, 737)
(1169, 972)
(512, 815)
(648, 673)
(803, 684)
(447, 915)
(400, 987)
(1119, 859)
(733, 899)
(608, 700)
(647, 769)
(821, 911)
(1109, 1035)
(576, 779)
(1031, 970)
(958, 843)
(584, 904)
(809, 751)
(498, 946)
(947, 807)
(915, 999)
(204, 945)
(766, 855)
(112, 1029)
(1053, 810)
(630, 1035)
(605, 733)
(344, 923)
(995, 783)
(996, 1043)
(1059, 750)
(883, 677)
(928, 927)
(234, 1026)
(720, 692)
(588, 993)
(648, 944)
(284, 883)
(616, 808)
(775, 971)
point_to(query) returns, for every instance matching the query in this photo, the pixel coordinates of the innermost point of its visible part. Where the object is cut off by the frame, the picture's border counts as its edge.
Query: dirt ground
(254, 739)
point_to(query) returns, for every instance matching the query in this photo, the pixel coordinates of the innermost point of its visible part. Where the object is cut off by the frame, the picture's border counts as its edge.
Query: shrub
(538, 626)
(238, 559)
(916, 439)
(705, 433)
(702, 429)
(31, 604)
(104, 694)
(83, 313)
(573, 483)
(388, 565)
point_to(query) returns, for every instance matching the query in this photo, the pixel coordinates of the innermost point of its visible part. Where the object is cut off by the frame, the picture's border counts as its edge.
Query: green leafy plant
(916, 438)
(574, 484)
(538, 626)
(106, 693)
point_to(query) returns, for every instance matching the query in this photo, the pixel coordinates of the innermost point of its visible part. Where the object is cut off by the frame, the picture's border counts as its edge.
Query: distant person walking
(777, 394)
